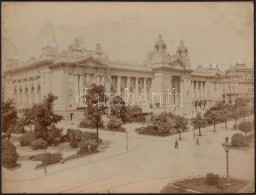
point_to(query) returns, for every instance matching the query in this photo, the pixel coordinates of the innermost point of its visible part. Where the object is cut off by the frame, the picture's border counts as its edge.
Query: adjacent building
(238, 81)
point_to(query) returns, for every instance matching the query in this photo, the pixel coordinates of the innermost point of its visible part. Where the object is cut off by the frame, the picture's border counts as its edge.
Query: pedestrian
(197, 141)
(176, 144)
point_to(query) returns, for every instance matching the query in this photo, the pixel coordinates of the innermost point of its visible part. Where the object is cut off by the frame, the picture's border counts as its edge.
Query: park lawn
(198, 184)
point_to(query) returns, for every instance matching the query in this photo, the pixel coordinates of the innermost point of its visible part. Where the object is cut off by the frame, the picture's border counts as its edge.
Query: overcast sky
(213, 32)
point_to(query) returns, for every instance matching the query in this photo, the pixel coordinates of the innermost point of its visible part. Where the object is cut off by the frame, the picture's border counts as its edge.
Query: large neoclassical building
(167, 81)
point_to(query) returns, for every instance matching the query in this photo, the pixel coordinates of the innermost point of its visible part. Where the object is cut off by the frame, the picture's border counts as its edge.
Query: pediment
(92, 62)
(177, 64)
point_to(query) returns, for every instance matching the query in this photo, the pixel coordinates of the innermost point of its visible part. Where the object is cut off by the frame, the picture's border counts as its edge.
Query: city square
(79, 119)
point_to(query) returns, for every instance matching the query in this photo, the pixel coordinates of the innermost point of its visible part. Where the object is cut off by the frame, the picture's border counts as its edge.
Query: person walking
(197, 141)
(176, 144)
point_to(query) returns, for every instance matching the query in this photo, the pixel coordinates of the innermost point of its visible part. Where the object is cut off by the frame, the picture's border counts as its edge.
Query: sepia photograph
(127, 97)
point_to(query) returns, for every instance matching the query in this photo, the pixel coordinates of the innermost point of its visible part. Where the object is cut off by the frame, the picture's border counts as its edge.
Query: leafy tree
(9, 154)
(43, 118)
(95, 99)
(234, 113)
(119, 109)
(159, 118)
(224, 116)
(180, 124)
(198, 122)
(240, 104)
(73, 140)
(245, 127)
(213, 116)
(9, 116)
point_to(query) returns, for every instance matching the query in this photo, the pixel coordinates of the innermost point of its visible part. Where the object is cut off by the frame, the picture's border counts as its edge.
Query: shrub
(78, 134)
(135, 114)
(85, 123)
(64, 139)
(212, 179)
(238, 140)
(9, 154)
(48, 158)
(69, 133)
(73, 140)
(84, 147)
(26, 139)
(88, 136)
(38, 144)
(250, 138)
(114, 124)
(235, 127)
(54, 135)
(161, 129)
(159, 118)
(245, 127)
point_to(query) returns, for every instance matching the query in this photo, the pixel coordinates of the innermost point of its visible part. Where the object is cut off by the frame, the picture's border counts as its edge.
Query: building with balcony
(238, 81)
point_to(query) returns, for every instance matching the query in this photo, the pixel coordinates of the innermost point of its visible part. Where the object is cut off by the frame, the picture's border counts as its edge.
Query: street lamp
(227, 146)
(126, 133)
(89, 149)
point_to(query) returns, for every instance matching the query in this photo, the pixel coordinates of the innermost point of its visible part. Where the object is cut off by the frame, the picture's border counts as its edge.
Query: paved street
(150, 163)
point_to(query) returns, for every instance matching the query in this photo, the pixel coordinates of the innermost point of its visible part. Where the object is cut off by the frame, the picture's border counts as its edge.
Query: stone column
(202, 84)
(81, 84)
(196, 89)
(75, 92)
(145, 85)
(181, 96)
(118, 84)
(107, 83)
(128, 83)
(192, 90)
(205, 89)
(137, 85)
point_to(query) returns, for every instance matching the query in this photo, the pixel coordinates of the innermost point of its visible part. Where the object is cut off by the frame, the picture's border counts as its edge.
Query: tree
(234, 113)
(9, 154)
(9, 116)
(95, 101)
(245, 127)
(198, 122)
(43, 117)
(180, 124)
(213, 116)
(224, 116)
(240, 104)
(119, 109)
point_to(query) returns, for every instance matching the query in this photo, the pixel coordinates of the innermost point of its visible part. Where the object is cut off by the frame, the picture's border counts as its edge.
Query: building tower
(182, 53)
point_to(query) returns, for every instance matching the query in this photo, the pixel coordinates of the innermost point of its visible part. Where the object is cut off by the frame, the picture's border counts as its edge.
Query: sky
(218, 32)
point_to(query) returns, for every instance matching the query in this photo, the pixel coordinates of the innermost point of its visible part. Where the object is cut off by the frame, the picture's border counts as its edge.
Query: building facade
(238, 82)
(167, 82)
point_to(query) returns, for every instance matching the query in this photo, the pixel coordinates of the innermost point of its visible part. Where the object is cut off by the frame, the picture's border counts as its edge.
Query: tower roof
(181, 46)
(160, 44)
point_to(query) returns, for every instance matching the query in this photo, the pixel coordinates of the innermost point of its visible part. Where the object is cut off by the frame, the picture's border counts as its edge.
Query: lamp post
(126, 135)
(89, 149)
(227, 146)
(44, 162)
